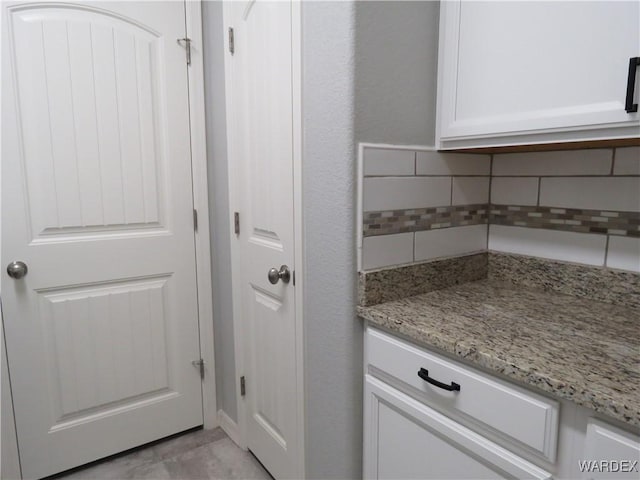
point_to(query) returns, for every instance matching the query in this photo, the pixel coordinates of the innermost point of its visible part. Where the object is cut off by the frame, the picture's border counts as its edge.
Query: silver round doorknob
(17, 270)
(283, 274)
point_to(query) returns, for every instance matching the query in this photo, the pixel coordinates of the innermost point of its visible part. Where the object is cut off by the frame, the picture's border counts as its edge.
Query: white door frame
(193, 11)
(9, 460)
(235, 191)
(201, 204)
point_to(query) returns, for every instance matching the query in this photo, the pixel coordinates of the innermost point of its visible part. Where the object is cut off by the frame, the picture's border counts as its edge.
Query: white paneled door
(97, 203)
(261, 126)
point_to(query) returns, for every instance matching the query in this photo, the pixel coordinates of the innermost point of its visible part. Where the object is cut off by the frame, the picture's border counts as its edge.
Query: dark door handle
(629, 106)
(424, 374)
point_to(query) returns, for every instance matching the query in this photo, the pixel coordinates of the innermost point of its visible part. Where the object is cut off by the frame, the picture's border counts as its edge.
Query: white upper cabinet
(517, 73)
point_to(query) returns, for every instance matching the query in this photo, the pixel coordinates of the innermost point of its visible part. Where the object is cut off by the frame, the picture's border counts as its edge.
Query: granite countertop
(573, 348)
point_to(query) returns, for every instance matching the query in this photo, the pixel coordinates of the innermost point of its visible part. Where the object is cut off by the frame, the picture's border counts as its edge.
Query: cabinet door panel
(609, 453)
(406, 439)
(557, 70)
(421, 453)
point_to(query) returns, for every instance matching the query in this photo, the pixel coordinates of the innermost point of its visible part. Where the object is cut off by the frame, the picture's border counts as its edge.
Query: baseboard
(230, 428)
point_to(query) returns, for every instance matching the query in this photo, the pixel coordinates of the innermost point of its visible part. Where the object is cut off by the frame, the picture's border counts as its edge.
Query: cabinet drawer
(523, 416)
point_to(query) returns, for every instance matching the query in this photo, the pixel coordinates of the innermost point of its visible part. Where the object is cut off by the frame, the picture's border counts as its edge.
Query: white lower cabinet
(405, 439)
(610, 453)
(429, 417)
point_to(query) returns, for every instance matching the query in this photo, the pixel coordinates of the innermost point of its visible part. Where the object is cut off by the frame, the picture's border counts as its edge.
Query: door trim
(234, 203)
(298, 230)
(200, 187)
(235, 189)
(10, 459)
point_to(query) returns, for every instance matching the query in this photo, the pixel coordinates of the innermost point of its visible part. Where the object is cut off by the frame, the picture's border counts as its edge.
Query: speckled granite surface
(388, 284)
(600, 284)
(573, 348)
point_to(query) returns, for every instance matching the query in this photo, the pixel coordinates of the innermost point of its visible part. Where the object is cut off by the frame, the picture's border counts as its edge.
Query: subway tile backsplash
(449, 242)
(594, 193)
(587, 208)
(469, 190)
(560, 163)
(580, 206)
(627, 161)
(397, 193)
(624, 253)
(385, 250)
(389, 162)
(514, 190)
(436, 163)
(440, 210)
(588, 249)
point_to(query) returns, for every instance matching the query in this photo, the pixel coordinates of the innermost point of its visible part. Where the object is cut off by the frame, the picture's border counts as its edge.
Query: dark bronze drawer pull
(631, 85)
(424, 374)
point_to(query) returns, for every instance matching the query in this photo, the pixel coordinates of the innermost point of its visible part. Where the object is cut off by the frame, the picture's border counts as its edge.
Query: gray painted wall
(219, 207)
(333, 334)
(369, 74)
(396, 71)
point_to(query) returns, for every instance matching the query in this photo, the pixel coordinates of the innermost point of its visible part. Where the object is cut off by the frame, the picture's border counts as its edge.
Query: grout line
(490, 180)
(488, 234)
(463, 206)
(596, 175)
(414, 246)
(423, 175)
(451, 192)
(489, 203)
(603, 175)
(613, 160)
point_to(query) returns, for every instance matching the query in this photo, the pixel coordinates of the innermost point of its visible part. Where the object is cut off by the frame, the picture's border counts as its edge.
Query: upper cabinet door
(513, 73)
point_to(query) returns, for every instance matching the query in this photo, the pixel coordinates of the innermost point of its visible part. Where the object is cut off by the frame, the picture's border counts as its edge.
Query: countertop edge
(461, 349)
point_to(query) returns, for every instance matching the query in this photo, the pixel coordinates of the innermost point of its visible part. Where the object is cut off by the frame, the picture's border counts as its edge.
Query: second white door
(261, 126)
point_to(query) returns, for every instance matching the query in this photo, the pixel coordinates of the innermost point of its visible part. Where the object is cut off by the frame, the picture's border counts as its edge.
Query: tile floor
(198, 454)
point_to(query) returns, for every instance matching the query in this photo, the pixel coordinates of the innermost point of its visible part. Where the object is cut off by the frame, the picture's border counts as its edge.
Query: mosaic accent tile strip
(567, 219)
(582, 281)
(621, 223)
(419, 219)
(393, 283)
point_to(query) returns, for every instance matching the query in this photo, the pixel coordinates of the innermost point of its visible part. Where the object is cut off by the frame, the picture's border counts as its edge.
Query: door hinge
(243, 388)
(195, 219)
(236, 222)
(232, 41)
(187, 46)
(200, 365)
